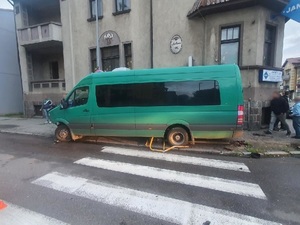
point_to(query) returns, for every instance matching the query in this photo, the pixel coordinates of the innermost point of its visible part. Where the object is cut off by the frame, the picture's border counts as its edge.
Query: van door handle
(86, 110)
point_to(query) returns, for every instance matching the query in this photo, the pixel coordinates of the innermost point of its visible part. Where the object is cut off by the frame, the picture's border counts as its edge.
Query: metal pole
(97, 37)
(151, 36)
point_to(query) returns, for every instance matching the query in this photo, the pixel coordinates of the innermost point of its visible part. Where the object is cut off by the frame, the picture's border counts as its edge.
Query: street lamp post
(97, 36)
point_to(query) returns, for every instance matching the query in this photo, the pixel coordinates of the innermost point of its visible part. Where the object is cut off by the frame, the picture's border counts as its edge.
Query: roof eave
(276, 5)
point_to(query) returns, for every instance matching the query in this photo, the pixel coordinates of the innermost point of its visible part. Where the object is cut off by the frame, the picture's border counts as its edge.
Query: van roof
(215, 68)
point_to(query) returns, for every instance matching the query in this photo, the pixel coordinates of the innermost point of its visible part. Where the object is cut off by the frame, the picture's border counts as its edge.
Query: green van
(178, 104)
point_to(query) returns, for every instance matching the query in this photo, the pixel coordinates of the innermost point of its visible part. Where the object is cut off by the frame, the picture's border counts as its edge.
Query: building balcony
(206, 7)
(48, 86)
(41, 35)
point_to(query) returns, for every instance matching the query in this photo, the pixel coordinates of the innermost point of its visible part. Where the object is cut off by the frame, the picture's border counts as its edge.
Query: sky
(291, 47)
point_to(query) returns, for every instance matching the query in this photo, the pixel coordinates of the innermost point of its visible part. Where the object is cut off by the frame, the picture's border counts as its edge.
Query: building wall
(42, 68)
(10, 78)
(173, 21)
(291, 70)
(79, 35)
(200, 38)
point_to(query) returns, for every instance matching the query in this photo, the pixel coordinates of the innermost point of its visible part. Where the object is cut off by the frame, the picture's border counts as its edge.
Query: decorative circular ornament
(176, 44)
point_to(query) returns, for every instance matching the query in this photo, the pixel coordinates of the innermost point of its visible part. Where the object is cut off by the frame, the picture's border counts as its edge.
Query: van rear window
(183, 93)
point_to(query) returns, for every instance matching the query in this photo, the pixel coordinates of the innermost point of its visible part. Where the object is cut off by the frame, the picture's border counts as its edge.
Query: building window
(230, 45)
(93, 55)
(122, 6)
(110, 58)
(128, 55)
(93, 8)
(269, 49)
(54, 71)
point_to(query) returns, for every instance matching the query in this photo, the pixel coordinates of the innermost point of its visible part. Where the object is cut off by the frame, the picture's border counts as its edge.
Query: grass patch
(253, 149)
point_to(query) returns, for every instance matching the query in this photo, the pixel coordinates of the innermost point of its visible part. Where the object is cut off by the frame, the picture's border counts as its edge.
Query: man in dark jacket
(286, 98)
(279, 107)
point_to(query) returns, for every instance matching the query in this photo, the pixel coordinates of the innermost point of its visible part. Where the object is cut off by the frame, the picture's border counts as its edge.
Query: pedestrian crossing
(219, 184)
(155, 205)
(15, 215)
(164, 208)
(235, 166)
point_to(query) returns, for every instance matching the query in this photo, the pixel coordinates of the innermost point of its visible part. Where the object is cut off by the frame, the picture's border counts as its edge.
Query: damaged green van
(178, 104)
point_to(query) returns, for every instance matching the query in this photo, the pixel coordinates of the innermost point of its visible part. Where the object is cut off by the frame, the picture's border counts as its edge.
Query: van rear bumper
(238, 133)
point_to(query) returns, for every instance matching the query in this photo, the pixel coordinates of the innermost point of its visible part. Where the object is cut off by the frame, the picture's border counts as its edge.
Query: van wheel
(178, 136)
(62, 133)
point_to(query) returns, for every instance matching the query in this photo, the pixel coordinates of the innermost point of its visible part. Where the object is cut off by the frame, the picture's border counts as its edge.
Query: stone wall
(253, 114)
(32, 100)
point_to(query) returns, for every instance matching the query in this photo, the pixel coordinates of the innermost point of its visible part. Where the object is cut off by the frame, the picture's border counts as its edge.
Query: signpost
(292, 10)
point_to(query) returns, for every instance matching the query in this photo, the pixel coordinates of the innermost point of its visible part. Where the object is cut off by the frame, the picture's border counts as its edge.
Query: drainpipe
(248, 113)
(151, 34)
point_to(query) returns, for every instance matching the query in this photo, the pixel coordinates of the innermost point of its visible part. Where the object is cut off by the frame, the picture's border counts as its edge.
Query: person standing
(286, 98)
(279, 107)
(46, 107)
(296, 117)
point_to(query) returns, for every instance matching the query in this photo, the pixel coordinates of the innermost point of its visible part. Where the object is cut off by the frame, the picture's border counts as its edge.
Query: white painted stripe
(15, 215)
(220, 164)
(219, 184)
(157, 206)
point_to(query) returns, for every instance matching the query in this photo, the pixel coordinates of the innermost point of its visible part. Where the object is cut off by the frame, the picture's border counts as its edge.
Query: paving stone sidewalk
(277, 144)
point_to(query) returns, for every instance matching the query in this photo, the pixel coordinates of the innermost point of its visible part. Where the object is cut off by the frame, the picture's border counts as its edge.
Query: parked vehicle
(178, 104)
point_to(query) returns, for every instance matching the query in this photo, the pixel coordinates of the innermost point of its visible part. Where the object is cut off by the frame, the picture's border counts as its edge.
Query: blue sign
(273, 76)
(292, 10)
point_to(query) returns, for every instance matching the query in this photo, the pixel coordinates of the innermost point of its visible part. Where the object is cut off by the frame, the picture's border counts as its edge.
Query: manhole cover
(7, 126)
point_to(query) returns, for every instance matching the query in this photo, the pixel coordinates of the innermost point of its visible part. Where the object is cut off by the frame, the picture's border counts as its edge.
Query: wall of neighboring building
(290, 69)
(10, 78)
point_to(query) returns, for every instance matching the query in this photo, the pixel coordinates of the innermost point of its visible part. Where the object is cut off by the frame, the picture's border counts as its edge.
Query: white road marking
(157, 206)
(219, 184)
(179, 159)
(15, 215)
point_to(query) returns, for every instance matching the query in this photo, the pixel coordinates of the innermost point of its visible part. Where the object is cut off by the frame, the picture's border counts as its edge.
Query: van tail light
(240, 117)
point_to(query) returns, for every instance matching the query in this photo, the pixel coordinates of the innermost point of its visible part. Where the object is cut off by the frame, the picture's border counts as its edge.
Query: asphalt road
(42, 182)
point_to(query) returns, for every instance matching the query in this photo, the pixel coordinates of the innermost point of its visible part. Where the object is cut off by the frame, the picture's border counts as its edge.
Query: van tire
(178, 136)
(62, 133)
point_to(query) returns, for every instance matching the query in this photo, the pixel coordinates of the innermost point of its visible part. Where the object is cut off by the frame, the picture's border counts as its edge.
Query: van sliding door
(113, 114)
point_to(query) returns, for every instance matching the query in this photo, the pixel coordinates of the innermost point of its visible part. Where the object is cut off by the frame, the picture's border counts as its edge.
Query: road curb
(24, 133)
(268, 154)
(14, 132)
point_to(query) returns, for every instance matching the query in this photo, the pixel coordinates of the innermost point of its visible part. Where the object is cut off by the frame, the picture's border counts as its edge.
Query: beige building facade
(291, 83)
(57, 42)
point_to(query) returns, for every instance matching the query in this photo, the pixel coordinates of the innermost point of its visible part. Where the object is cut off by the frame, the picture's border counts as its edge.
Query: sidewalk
(34, 126)
(276, 144)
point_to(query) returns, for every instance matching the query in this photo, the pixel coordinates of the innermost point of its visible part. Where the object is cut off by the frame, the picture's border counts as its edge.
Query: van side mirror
(63, 104)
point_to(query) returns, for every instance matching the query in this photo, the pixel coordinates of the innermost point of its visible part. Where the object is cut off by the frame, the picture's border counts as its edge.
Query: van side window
(183, 93)
(79, 97)
(115, 95)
